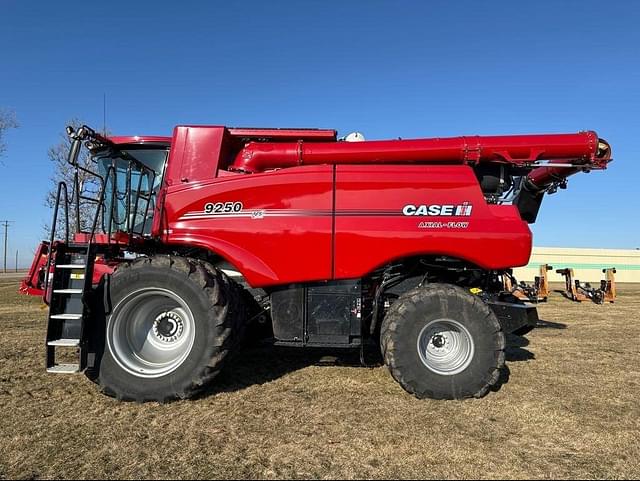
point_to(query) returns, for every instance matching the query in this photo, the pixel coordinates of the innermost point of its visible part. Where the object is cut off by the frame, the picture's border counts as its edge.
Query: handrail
(79, 196)
(61, 187)
(111, 171)
(129, 220)
(152, 180)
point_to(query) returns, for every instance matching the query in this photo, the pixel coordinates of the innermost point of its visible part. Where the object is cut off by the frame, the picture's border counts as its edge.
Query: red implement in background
(34, 282)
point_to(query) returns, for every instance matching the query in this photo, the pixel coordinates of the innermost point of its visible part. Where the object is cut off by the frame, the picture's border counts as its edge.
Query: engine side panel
(389, 212)
(274, 227)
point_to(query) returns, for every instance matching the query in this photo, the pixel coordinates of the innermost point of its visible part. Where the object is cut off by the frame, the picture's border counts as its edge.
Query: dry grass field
(569, 410)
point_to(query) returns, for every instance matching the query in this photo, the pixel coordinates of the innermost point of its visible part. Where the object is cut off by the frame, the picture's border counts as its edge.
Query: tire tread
(225, 315)
(409, 302)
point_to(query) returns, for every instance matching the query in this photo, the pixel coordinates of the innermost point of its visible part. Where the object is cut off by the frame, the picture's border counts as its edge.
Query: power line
(6, 237)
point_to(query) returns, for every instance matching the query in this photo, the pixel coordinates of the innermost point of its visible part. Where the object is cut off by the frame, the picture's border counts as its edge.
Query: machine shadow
(515, 351)
(256, 365)
(260, 364)
(562, 293)
(542, 324)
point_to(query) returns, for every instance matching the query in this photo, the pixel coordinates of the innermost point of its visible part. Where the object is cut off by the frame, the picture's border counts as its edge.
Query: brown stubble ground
(569, 410)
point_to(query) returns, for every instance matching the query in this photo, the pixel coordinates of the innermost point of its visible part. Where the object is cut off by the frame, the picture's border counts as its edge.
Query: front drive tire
(441, 342)
(172, 322)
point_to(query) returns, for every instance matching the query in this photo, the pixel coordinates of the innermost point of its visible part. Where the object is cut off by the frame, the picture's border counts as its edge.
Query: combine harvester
(399, 244)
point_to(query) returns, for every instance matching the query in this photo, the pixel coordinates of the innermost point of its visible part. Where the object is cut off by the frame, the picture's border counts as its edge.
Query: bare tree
(7, 121)
(65, 172)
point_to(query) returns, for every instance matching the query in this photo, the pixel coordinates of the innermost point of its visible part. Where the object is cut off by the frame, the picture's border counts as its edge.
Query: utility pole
(17, 260)
(6, 237)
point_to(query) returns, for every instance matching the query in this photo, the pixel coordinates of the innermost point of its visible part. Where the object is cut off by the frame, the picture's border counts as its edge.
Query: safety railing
(62, 187)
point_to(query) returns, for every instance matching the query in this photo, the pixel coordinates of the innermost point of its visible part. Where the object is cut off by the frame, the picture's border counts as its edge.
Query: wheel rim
(151, 332)
(445, 347)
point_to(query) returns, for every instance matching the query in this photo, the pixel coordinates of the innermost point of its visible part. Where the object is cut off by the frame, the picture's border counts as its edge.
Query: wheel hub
(438, 341)
(151, 332)
(168, 326)
(445, 347)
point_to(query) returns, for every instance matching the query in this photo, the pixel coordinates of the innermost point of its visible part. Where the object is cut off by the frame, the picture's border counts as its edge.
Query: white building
(587, 264)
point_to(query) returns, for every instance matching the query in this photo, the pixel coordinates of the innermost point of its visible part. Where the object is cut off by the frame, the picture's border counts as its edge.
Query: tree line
(62, 171)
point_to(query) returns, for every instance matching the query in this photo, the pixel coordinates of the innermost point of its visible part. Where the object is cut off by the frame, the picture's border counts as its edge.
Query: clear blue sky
(388, 69)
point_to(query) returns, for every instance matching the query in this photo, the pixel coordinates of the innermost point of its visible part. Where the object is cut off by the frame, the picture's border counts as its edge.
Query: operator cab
(133, 175)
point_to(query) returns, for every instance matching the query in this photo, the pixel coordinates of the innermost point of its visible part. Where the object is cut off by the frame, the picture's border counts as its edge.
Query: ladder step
(71, 317)
(64, 343)
(71, 266)
(64, 369)
(67, 291)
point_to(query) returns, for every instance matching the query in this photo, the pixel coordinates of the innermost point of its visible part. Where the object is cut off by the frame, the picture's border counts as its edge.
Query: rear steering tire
(441, 342)
(172, 322)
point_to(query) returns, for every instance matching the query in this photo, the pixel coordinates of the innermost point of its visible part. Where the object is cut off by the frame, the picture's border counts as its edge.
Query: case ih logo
(462, 210)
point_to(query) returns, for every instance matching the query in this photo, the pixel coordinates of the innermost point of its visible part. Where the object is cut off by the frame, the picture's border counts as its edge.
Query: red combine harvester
(396, 244)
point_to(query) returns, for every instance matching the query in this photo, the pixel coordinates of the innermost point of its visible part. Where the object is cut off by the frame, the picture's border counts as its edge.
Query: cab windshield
(132, 179)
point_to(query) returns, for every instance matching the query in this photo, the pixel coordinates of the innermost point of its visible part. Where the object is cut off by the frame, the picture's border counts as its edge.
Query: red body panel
(372, 231)
(195, 154)
(283, 233)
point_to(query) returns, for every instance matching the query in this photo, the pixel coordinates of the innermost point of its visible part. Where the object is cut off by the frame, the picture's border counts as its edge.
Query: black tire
(217, 326)
(412, 314)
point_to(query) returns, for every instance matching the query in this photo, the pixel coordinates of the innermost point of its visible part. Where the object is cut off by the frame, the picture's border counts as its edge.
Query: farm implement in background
(579, 292)
(536, 292)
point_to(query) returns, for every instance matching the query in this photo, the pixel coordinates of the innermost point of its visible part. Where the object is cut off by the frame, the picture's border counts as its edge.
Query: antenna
(104, 114)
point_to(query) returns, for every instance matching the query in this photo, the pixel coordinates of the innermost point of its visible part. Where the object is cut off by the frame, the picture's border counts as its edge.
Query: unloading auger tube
(565, 153)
